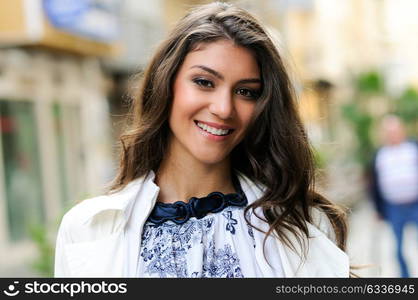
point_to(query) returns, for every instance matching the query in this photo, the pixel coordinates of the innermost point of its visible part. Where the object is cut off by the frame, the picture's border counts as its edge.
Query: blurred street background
(66, 73)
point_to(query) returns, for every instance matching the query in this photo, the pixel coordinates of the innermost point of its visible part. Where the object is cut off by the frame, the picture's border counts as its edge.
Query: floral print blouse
(218, 245)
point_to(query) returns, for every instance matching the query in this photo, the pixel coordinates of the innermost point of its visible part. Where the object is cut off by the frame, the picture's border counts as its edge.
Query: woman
(216, 176)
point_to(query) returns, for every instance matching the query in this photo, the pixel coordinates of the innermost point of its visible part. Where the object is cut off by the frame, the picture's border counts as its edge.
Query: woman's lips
(215, 125)
(212, 136)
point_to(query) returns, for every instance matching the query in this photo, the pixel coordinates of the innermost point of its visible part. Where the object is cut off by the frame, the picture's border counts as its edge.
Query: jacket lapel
(114, 236)
(141, 208)
(323, 257)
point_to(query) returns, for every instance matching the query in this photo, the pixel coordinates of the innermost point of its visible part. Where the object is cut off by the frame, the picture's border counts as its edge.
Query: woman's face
(214, 96)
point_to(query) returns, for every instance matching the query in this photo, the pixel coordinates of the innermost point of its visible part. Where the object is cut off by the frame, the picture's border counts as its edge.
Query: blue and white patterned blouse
(218, 245)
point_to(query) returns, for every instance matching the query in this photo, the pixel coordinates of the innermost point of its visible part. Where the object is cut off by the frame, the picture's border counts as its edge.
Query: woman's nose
(222, 105)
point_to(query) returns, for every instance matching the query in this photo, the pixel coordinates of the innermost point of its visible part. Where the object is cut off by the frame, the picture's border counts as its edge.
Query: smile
(213, 130)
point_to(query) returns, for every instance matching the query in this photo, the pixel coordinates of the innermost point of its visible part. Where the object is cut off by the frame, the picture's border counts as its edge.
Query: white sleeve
(61, 268)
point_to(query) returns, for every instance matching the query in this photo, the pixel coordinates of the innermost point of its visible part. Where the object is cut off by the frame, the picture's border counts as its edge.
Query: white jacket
(100, 237)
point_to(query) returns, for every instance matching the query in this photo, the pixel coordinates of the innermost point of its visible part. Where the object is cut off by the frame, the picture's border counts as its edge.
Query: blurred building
(332, 41)
(64, 71)
(55, 146)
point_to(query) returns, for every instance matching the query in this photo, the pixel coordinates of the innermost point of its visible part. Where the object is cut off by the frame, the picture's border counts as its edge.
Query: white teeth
(213, 130)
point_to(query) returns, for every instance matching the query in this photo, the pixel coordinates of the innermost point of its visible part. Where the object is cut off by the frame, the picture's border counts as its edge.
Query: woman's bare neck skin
(181, 177)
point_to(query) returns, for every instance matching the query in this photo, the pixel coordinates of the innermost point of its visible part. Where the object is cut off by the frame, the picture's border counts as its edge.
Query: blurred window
(23, 183)
(71, 160)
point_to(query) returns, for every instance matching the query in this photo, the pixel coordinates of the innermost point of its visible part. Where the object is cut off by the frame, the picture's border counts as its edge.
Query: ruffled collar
(180, 212)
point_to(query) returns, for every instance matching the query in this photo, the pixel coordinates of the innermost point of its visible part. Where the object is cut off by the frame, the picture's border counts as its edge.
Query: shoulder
(83, 209)
(73, 224)
(321, 221)
(98, 216)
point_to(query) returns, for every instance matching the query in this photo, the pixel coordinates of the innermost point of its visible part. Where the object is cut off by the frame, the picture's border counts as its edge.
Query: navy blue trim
(180, 212)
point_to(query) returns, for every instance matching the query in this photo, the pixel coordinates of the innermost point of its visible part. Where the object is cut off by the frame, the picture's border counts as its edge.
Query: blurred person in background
(394, 187)
(216, 175)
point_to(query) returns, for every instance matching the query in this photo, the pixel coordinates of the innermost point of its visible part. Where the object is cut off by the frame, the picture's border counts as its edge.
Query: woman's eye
(248, 93)
(203, 83)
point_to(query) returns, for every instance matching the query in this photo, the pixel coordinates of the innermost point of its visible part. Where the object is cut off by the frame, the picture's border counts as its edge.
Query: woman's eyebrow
(209, 70)
(220, 76)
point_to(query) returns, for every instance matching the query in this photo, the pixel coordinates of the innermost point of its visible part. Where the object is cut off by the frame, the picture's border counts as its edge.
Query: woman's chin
(211, 159)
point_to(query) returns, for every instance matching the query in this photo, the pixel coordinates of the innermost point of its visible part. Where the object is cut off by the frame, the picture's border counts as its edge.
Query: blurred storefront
(55, 141)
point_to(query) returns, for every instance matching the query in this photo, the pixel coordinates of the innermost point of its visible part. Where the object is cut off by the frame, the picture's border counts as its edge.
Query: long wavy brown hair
(275, 153)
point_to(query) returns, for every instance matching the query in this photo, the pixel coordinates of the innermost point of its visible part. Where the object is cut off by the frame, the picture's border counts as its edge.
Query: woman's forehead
(223, 54)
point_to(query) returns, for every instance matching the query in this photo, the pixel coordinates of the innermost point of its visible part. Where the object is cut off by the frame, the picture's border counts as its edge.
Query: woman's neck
(181, 177)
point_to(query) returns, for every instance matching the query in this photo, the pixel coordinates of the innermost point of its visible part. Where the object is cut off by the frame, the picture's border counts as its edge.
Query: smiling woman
(216, 175)
(211, 108)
